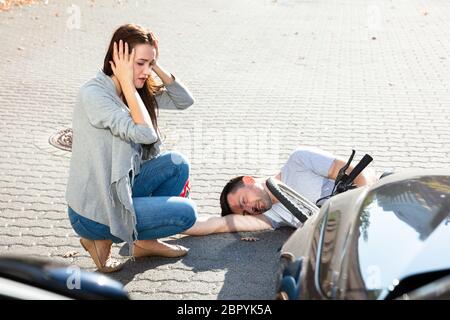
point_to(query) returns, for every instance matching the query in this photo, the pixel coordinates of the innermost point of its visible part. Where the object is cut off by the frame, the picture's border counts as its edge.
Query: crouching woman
(120, 186)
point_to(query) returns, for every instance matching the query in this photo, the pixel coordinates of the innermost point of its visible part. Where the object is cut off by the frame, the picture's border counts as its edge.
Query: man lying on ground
(247, 204)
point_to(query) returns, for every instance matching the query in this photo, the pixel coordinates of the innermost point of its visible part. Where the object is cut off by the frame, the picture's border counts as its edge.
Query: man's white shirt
(306, 171)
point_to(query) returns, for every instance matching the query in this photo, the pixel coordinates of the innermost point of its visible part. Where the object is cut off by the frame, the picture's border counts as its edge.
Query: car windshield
(404, 230)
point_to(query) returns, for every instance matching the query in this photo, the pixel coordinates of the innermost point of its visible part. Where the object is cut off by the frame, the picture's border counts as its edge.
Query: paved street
(267, 75)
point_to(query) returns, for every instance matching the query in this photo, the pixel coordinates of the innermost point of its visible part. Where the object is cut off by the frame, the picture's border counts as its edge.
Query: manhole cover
(62, 139)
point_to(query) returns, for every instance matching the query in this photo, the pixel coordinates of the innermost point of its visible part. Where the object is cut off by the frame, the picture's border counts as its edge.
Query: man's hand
(122, 66)
(366, 177)
(249, 239)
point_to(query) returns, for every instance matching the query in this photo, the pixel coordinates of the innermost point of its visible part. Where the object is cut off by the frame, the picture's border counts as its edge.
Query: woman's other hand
(155, 44)
(165, 76)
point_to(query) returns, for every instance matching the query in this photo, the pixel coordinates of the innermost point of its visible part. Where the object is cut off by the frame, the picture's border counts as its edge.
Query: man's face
(251, 199)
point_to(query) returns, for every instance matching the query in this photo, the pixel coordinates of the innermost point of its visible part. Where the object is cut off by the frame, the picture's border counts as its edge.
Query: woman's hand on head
(155, 44)
(122, 64)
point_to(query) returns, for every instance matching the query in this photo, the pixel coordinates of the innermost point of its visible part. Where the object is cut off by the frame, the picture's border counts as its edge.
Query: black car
(32, 278)
(387, 241)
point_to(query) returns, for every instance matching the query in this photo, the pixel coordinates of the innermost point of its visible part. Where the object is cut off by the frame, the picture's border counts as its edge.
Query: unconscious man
(247, 204)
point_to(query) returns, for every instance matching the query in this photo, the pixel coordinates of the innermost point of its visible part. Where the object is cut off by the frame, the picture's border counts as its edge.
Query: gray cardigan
(108, 149)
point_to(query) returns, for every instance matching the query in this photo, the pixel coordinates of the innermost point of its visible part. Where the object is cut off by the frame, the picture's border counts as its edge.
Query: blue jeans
(159, 211)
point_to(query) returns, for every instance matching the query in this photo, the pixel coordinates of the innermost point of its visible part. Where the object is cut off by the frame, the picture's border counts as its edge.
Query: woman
(120, 187)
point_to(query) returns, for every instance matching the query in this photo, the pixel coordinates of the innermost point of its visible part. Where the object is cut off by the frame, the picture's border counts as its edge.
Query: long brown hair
(134, 34)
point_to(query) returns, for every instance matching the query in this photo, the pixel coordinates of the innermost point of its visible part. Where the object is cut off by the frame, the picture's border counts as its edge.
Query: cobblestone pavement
(267, 76)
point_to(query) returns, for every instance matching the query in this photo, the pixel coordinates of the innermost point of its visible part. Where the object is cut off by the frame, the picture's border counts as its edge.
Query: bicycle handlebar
(343, 181)
(359, 168)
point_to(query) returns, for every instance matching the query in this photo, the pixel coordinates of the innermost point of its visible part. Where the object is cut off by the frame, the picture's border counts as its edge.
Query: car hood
(404, 229)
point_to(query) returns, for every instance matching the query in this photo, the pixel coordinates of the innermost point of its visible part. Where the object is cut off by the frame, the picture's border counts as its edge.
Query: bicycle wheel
(298, 205)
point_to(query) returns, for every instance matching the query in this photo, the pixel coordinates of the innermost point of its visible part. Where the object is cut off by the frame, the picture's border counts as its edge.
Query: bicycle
(301, 207)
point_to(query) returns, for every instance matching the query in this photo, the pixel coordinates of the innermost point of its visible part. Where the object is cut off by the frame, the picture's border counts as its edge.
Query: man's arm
(366, 177)
(229, 223)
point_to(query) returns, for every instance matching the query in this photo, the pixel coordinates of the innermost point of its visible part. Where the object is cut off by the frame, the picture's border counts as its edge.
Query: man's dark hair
(231, 187)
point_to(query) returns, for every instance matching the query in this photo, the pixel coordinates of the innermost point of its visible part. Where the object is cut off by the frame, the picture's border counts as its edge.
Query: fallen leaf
(70, 254)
